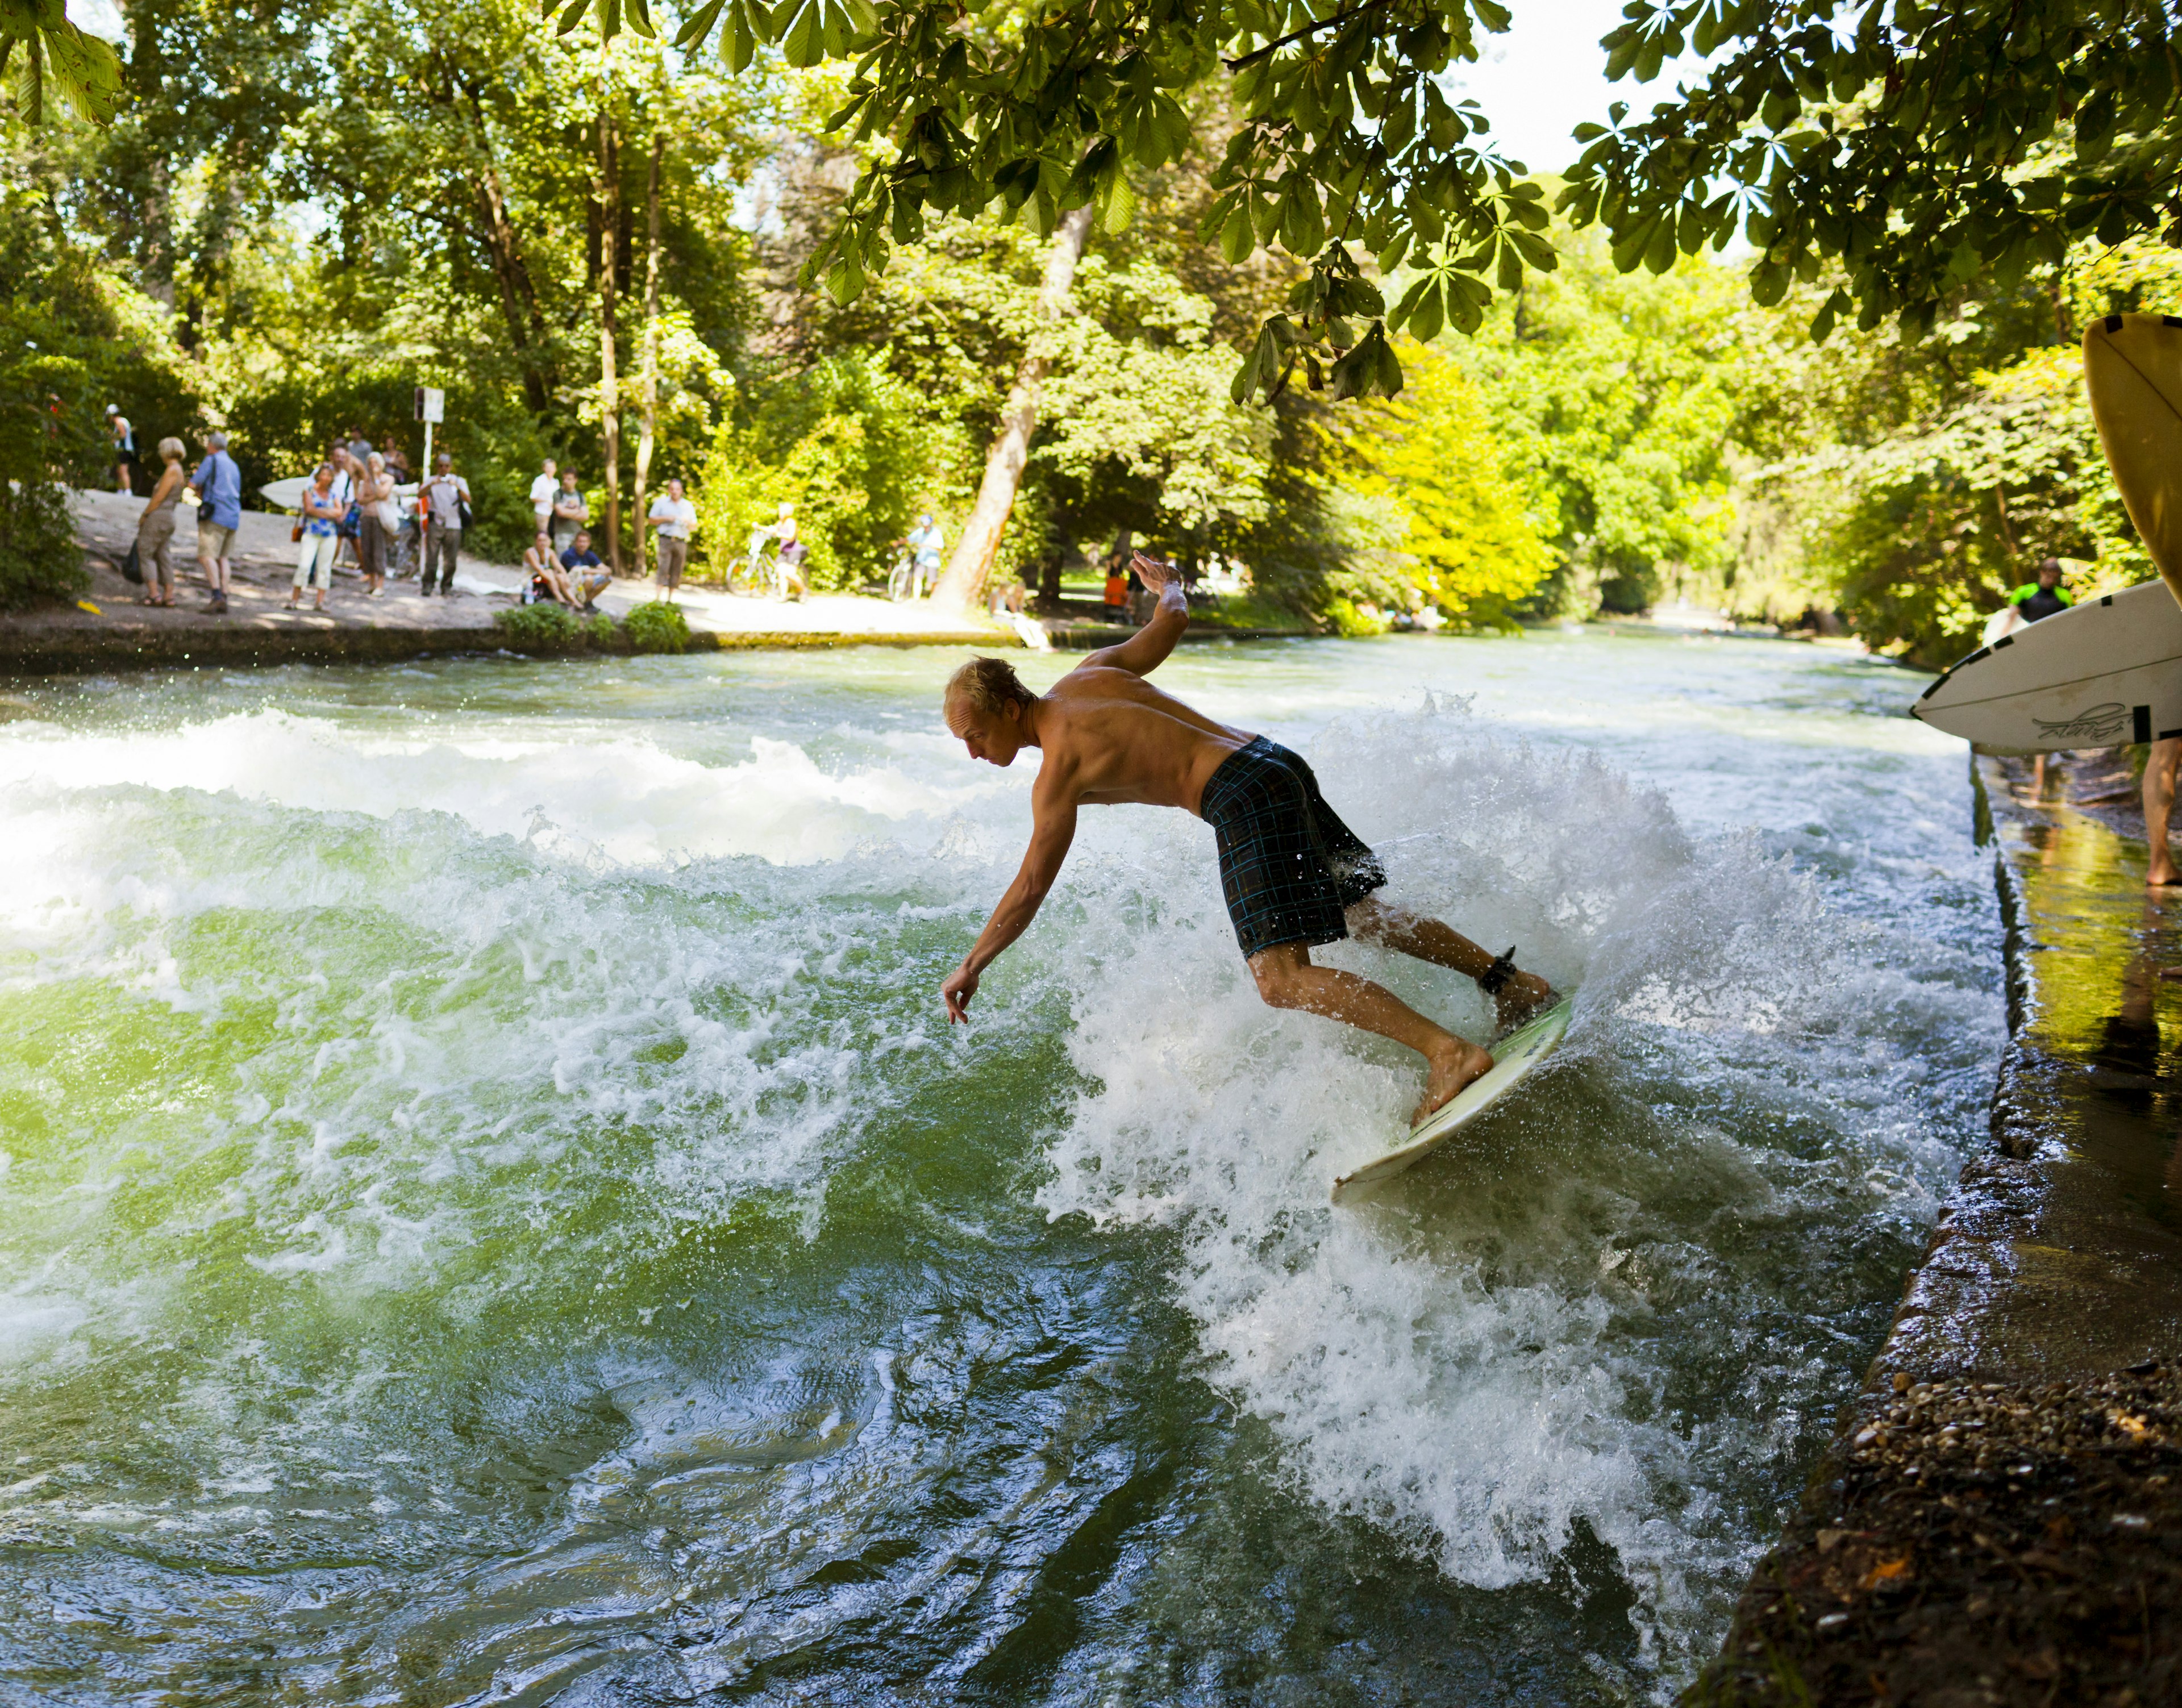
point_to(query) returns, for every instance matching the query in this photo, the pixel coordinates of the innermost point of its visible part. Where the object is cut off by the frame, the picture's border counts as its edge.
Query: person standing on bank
(155, 527)
(218, 484)
(125, 447)
(672, 518)
(571, 513)
(542, 488)
(374, 493)
(323, 510)
(446, 497)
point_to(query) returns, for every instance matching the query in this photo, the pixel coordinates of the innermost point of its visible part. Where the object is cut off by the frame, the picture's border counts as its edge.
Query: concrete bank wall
(2000, 1518)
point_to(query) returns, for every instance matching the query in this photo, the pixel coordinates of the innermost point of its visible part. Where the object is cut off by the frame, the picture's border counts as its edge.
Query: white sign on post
(431, 403)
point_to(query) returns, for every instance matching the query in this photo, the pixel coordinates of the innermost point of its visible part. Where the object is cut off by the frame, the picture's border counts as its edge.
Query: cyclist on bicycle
(792, 551)
(928, 542)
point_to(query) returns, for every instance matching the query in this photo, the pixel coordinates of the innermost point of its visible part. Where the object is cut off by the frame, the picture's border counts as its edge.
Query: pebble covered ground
(1973, 1544)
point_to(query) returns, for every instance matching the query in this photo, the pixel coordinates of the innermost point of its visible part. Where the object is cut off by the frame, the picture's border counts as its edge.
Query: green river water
(490, 1210)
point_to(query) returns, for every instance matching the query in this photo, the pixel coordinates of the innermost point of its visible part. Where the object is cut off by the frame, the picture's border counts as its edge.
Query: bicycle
(915, 573)
(403, 549)
(763, 574)
(901, 583)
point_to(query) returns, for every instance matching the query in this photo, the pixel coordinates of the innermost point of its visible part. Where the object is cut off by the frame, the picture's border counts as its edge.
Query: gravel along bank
(1981, 1544)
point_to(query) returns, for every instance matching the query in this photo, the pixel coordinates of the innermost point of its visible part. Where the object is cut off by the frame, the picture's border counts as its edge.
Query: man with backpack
(446, 513)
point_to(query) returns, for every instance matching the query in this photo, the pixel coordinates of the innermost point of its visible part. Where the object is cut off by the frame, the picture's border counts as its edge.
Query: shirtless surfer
(1293, 873)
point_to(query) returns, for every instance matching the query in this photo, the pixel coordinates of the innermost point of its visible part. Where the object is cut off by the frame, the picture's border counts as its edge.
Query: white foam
(601, 790)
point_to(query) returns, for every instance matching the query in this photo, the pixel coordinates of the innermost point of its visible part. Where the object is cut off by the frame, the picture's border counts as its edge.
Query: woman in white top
(322, 515)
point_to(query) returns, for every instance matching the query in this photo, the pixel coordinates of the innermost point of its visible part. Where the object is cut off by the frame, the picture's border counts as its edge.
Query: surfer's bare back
(1294, 874)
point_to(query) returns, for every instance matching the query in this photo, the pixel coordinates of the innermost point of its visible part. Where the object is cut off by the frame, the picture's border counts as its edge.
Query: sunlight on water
(490, 1208)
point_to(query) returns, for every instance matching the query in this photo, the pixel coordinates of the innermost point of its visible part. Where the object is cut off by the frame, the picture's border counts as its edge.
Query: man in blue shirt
(219, 484)
(587, 576)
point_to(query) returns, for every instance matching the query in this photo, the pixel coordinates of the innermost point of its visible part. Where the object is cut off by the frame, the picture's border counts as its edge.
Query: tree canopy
(1918, 145)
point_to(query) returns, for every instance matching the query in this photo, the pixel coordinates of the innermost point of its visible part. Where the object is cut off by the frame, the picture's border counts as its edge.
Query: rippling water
(490, 1208)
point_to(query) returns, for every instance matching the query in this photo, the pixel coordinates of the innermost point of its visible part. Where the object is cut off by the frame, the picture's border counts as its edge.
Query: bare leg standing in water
(2158, 808)
(1293, 874)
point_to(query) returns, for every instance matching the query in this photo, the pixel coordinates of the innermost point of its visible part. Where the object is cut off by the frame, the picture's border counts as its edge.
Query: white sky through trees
(1548, 75)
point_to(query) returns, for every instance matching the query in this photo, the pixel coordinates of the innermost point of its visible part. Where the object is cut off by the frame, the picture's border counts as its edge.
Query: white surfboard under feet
(2106, 670)
(1512, 1059)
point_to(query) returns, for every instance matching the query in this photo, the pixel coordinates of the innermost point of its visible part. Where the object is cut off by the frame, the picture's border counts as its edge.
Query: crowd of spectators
(359, 503)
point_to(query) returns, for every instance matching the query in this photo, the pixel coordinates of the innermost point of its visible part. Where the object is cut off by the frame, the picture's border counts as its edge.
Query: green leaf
(802, 46)
(738, 40)
(1121, 204)
(1236, 240)
(699, 24)
(86, 70)
(1425, 321)
(844, 282)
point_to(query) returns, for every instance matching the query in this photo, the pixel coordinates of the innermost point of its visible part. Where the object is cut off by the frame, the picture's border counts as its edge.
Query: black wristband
(1494, 979)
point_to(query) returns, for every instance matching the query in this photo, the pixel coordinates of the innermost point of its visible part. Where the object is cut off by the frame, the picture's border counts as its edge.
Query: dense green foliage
(294, 220)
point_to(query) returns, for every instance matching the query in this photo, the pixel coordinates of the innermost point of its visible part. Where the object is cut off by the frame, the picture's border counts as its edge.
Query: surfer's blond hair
(985, 685)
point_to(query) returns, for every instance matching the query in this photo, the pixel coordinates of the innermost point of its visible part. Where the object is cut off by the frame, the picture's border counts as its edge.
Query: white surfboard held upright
(2106, 670)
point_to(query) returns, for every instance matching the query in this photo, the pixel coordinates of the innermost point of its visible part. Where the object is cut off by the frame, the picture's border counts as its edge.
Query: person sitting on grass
(587, 577)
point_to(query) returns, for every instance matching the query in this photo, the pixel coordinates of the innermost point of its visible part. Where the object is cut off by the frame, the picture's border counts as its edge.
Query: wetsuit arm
(1052, 831)
(1146, 650)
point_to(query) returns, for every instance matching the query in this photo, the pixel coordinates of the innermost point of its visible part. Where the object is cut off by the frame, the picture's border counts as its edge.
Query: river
(491, 1209)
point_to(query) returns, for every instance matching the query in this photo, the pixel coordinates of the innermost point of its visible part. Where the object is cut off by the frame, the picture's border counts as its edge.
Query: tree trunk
(648, 434)
(518, 297)
(609, 382)
(1048, 584)
(963, 585)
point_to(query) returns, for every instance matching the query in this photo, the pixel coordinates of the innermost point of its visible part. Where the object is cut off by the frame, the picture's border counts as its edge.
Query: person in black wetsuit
(2045, 597)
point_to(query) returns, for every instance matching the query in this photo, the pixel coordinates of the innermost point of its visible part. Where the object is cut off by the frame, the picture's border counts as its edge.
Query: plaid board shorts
(1288, 867)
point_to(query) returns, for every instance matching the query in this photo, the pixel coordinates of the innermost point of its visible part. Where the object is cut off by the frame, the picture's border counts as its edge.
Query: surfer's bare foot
(1524, 995)
(1448, 1068)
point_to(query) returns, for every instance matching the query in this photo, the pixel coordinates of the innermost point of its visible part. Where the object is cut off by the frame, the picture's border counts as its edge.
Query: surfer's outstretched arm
(1146, 650)
(1053, 829)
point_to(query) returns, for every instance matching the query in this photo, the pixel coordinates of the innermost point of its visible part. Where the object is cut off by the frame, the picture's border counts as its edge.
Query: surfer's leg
(1372, 921)
(2158, 808)
(1287, 980)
